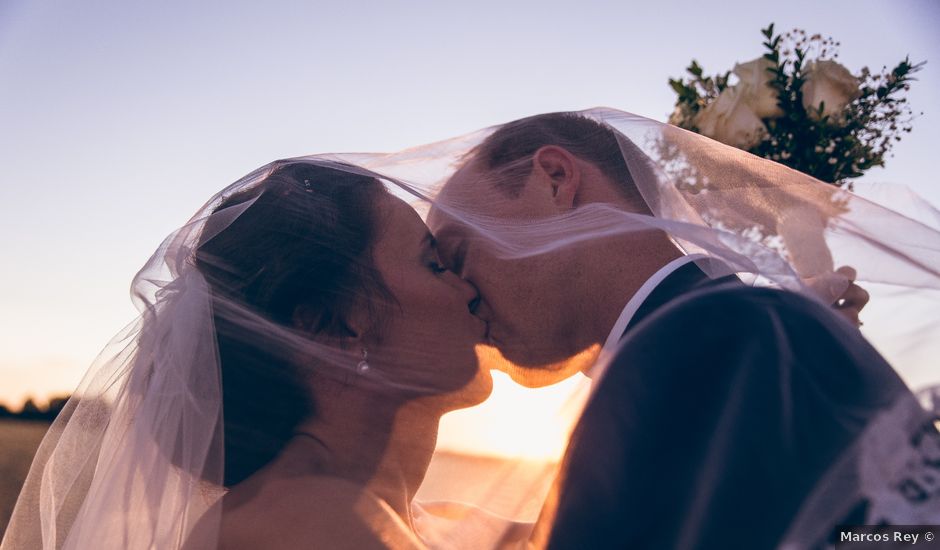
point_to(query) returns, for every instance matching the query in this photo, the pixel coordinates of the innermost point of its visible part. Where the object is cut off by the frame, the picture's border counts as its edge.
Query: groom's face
(526, 299)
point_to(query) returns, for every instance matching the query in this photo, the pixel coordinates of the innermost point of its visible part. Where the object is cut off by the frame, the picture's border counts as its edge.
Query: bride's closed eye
(433, 260)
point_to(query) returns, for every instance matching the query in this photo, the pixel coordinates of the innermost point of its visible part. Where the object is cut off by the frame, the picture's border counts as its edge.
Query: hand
(851, 302)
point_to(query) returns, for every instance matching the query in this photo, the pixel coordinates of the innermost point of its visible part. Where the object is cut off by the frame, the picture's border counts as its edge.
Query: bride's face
(429, 337)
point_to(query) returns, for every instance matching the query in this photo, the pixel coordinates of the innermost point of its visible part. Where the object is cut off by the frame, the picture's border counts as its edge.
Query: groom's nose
(475, 299)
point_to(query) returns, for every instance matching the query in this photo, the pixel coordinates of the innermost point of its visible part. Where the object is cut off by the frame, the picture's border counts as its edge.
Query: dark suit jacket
(723, 407)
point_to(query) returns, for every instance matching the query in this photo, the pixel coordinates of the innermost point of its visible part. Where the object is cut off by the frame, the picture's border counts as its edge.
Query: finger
(851, 302)
(857, 295)
(854, 297)
(851, 314)
(848, 271)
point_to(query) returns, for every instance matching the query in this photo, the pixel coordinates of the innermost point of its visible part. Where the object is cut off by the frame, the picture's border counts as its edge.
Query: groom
(723, 404)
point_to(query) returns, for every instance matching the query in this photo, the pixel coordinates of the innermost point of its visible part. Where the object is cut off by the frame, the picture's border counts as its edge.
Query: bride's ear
(342, 333)
(561, 170)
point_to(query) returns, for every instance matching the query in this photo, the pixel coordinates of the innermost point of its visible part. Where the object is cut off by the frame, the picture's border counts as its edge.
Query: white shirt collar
(640, 296)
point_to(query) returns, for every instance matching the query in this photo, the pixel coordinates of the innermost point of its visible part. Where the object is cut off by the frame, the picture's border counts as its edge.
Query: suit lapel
(681, 281)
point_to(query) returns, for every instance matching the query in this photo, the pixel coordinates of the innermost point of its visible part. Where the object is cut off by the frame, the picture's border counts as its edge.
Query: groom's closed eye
(455, 259)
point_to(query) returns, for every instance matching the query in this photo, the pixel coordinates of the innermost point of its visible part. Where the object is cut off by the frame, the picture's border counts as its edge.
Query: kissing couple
(302, 335)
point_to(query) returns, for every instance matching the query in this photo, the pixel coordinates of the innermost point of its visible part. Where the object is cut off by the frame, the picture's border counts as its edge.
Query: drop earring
(363, 366)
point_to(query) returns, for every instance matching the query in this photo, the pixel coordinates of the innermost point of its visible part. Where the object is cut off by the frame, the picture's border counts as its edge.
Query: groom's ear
(560, 169)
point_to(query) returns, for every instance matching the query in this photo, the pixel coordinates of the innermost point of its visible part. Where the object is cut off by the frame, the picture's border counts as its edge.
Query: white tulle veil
(137, 458)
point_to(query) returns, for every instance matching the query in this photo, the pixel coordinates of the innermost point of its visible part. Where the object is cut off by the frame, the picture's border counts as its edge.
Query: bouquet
(798, 106)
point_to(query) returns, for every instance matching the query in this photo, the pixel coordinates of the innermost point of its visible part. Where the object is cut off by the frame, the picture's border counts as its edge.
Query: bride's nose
(474, 304)
(470, 293)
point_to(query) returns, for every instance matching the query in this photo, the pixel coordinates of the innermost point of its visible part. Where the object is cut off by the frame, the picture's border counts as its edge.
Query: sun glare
(517, 422)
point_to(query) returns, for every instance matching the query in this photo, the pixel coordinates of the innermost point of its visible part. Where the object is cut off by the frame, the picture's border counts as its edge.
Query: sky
(118, 119)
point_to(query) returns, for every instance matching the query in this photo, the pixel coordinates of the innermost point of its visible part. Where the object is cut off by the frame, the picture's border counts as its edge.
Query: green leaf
(769, 31)
(677, 86)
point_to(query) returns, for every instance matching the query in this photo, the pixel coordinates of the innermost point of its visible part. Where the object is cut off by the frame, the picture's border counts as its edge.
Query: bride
(336, 258)
(310, 306)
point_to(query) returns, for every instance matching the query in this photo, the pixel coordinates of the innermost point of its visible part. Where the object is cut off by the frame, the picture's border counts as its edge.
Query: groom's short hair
(508, 151)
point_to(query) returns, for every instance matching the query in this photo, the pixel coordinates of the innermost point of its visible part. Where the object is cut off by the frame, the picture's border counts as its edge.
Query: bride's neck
(385, 449)
(405, 461)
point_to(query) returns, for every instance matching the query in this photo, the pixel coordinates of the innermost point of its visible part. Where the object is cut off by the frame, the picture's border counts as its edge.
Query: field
(513, 490)
(18, 441)
(510, 489)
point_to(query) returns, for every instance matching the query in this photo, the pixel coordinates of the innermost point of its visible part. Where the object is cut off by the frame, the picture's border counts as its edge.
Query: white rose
(730, 120)
(755, 89)
(830, 83)
(679, 115)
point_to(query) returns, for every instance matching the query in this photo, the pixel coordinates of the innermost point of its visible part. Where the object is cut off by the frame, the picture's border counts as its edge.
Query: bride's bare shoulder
(310, 512)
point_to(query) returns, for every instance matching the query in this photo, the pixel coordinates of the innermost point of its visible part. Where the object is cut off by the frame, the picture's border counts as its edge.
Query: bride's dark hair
(305, 241)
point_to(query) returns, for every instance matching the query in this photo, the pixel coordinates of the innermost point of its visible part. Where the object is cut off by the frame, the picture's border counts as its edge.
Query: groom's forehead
(476, 187)
(466, 189)
(471, 178)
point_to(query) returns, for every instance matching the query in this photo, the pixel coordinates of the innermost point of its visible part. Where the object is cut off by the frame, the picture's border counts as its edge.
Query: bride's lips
(484, 329)
(485, 325)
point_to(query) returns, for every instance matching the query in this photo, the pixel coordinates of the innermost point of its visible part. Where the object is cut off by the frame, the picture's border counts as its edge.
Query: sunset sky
(119, 119)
